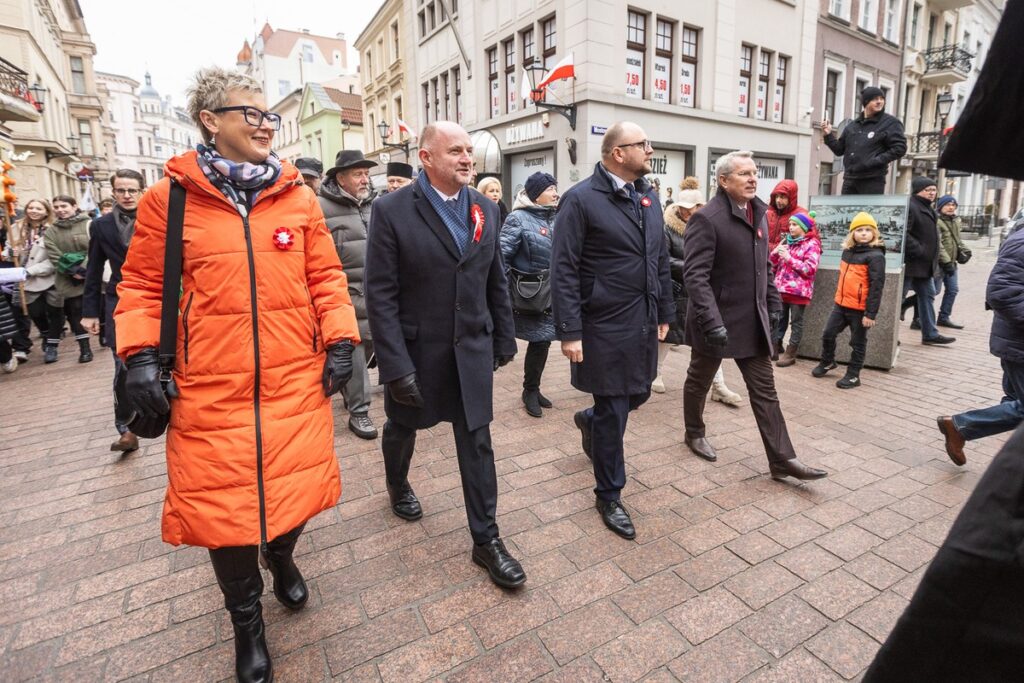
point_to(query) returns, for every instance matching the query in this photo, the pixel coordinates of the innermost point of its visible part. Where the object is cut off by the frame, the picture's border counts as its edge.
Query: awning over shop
(486, 153)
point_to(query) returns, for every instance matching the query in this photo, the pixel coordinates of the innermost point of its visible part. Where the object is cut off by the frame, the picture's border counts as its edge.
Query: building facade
(329, 121)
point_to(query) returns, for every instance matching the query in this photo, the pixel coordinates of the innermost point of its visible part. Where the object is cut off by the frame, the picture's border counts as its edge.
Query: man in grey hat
(399, 175)
(345, 198)
(312, 172)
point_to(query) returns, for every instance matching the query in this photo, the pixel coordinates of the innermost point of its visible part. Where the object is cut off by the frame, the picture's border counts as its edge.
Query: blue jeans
(924, 288)
(1002, 417)
(949, 280)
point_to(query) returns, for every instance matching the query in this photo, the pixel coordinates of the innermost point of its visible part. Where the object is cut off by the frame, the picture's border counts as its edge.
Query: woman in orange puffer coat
(250, 454)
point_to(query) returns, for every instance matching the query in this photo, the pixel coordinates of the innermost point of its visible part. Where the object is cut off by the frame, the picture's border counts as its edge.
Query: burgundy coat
(729, 279)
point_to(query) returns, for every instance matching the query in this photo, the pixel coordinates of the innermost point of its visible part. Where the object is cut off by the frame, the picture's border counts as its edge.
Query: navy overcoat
(434, 312)
(610, 284)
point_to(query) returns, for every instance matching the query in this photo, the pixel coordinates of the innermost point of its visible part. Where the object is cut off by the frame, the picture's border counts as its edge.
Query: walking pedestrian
(921, 259)
(38, 294)
(782, 205)
(398, 175)
(732, 303)
(346, 198)
(795, 260)
(691, 199)
(858, 297)
(108, 245)
(265, 334)
(526, 250)
(440, 312)
(1006, 342)
(868, 144)
(952, 253)
(67, 244)
(612, 296)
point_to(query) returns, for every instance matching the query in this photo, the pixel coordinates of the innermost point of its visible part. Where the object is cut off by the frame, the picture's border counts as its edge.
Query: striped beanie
(804, 220)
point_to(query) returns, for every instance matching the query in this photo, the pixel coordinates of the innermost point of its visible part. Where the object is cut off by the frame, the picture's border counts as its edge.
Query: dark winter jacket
(105, 246)
(778, 222)
(861, 279)
(347, 218)
(675, 229)
(729, 279)
(526, 246)
(921, 251)
(8, 327)
(868, 146)
(610, 283)
(1005, 296)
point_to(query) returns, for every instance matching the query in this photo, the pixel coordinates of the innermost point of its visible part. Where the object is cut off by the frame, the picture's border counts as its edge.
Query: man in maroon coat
(731, 310)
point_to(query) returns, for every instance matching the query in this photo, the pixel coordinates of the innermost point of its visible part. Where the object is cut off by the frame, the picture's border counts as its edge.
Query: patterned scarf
(455, 215)
(241, 182)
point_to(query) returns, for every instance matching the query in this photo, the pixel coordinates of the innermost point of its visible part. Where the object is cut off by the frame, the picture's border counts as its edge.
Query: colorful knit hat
(804, 220)
(863, 220)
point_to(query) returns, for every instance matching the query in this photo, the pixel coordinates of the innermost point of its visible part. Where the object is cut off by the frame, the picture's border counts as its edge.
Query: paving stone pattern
(732, 576)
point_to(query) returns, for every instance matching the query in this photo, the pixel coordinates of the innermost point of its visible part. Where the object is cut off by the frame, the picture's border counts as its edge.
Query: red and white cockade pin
(645, 201)
(284, 238)
(478, 222)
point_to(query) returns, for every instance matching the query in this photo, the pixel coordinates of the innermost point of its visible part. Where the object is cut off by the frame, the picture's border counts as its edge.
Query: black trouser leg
(479, 480)
(239, 578)
(699, 377)
(22, 341)
(835, 324)
(864, 185)
(397, 445)
(608, 426)
(858, 342)
(73, 311)
(533, 364)
(764, 401)
(6, 352)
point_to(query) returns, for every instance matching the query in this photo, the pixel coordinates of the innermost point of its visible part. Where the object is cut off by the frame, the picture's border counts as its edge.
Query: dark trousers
(476, 466)
(533, 364)
(924, 304)
(863, 185)
(792, 316)
(73, 312)
(122, 407)
(46, 317)
(764, 401)
(607, 420)
(22, 341)
(839, 320)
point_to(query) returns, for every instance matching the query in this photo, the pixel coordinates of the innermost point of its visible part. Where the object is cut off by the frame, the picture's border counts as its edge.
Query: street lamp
(536, 95)
(943, 105)
(38, 91)
(385, 130)
(72, 145)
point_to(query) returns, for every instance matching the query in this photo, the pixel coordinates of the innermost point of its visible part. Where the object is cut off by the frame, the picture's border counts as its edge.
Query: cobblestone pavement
(732, 576)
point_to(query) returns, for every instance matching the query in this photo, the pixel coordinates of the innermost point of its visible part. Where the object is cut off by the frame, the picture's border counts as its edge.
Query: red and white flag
(404, 127)
(524, 88)
(564, 69)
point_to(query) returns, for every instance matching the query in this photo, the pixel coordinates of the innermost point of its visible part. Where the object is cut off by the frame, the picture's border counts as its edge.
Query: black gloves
(406, 390)
(949, 268)
(502, 361)
(142, 384)
(717, 338)
(775, 318)
(337, 366)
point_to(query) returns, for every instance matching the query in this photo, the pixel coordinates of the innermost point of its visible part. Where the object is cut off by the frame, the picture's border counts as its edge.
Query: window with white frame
(550, 41)
(892, 20)
(495, 85)
(839, 8)
(915, 23)
(661, 86)
(764, 65)
(77, 74)
(746, 64)
(636, 50)
(688, 67)
(457, 78)
(832, 104)
(781, 72)
(511, 96)
(868, 19)
(307, 54)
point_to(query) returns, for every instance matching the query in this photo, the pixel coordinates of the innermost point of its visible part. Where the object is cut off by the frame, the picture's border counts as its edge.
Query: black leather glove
(406, 390)
(949, 268)
(775, 318)
(717, 338)
(337, 366)
(502, 361)
(142, 384)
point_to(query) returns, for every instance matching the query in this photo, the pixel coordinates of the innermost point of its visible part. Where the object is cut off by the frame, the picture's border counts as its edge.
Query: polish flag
(564, 69)
(404, 127)
(524, 88)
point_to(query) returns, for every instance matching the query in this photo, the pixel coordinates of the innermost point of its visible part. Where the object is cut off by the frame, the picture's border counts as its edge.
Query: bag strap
(172, 277)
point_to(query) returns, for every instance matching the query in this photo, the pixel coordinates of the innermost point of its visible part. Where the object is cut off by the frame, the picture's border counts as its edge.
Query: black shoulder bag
(150, 428)
(530, 292)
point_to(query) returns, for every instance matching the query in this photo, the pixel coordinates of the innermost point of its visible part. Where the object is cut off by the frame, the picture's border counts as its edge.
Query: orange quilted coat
(250, 452)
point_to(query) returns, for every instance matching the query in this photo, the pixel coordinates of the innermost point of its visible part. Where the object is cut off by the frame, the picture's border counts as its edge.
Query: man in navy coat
(441, 321)
(612, 302)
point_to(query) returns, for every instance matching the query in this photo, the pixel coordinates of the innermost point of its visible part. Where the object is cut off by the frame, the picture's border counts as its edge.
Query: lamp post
(943, 105)
(385, 130)
(72, 145)
(536, 95)
(38, 91)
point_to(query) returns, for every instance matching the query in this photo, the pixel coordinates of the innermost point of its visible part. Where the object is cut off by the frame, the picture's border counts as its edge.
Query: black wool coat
(434, 312)
(610, 284)
(921, 248)
(105, 246)
(729, 280)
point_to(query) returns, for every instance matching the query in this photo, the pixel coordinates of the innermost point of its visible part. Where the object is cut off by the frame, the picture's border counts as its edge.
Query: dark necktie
(634, 199)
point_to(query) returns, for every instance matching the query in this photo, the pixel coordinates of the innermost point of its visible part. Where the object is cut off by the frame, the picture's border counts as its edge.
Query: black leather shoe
(583, 424)
(938, 339)
(543, 400)
(404, 502)
(289, 586)
(822, 368)
(504, 569)
(531, 401)
(702, 448)
(362, 426)
(796, 469)
(616, 518)
(950, 324)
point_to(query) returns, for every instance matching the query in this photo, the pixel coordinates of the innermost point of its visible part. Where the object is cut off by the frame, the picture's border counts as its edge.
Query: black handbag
(152, 427)
(530, 292)
(963, 255)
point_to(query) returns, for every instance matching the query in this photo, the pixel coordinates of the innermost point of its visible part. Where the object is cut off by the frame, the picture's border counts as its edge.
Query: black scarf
(125, 221)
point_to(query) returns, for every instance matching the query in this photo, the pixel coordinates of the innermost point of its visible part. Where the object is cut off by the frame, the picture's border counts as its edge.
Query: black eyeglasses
(643, 144)
(254, 117)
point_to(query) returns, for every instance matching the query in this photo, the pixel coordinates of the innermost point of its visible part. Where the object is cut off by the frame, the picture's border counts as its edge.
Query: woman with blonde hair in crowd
(490, 187)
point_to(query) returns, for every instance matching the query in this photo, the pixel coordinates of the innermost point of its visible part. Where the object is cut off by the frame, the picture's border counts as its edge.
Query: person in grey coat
(526, 247)
(345, 198)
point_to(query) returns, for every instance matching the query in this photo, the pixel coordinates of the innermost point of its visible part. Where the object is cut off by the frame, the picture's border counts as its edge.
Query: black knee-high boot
(533, 368)
(238, 575)
(289, 586)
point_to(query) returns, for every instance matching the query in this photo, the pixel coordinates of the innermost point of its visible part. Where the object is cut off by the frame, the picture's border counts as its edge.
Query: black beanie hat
(869, 93)
(920, 182)
(537, 183)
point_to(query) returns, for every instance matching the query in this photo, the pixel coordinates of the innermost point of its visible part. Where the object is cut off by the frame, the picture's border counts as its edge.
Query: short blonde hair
(209, 90)
(486, 183)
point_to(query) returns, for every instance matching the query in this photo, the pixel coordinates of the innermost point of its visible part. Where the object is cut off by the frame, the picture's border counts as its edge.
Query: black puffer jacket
(347, 218)
(921, 252)
(1004, 296)
(868, 146)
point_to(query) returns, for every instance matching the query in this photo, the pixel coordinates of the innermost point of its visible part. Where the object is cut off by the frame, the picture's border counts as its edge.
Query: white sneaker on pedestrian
(658, 386)
(10, 366)
(723, 394)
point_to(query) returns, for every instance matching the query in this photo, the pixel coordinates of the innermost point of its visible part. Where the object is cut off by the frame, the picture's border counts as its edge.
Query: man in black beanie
(399, 175)
(868, 145)
(921, 258)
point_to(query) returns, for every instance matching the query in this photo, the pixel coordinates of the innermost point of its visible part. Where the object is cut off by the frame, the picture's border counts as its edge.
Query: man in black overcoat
(732, 311)
(441, 321)
(921, 259)
(612, 301)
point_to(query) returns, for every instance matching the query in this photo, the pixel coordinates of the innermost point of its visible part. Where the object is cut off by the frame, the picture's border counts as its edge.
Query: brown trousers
(764, 401)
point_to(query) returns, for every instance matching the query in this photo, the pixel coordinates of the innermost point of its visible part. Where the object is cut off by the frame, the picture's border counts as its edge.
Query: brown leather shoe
(126, 444)
(796, 469)
(702, 448)
(954, 440)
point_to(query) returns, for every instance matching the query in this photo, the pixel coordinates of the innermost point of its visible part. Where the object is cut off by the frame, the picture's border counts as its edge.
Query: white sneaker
(21, 356)
(658, 386)
(722, 394)
(10, 366)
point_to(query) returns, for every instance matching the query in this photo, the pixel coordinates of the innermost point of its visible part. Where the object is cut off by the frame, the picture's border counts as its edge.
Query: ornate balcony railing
(926, 143)
(948, 58)
(14, 82)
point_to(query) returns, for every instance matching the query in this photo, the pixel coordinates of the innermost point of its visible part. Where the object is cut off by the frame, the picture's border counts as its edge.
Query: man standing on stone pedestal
(868, 145)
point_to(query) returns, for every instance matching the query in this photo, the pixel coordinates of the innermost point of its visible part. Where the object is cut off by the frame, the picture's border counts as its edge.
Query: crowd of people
(295, 282)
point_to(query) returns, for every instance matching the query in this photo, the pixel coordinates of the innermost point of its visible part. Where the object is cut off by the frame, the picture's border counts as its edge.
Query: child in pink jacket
(795, 261)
